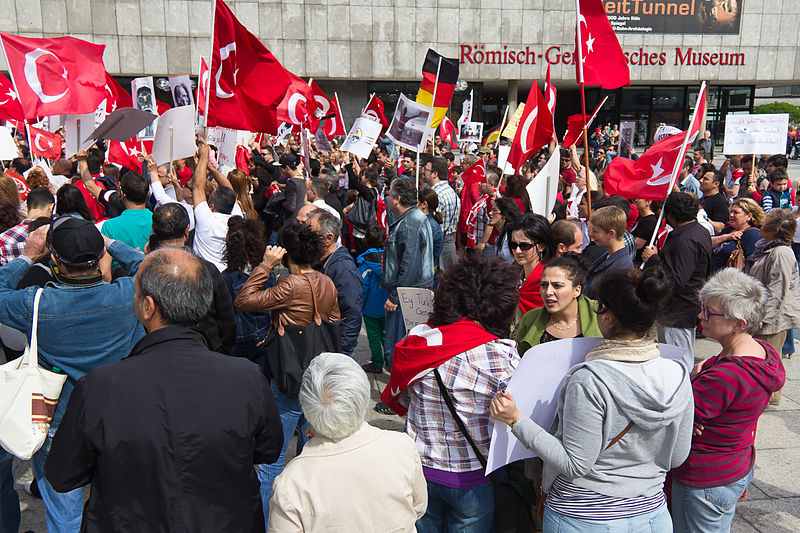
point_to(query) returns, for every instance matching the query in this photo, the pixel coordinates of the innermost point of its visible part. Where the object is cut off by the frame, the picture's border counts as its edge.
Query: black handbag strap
(458, 420)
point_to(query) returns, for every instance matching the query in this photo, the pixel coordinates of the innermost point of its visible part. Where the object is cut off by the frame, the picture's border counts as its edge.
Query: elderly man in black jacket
(169, 435)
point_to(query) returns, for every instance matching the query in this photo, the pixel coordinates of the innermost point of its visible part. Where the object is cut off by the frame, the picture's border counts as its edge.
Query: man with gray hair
(169, 435)
(338, 264)
(350, 476)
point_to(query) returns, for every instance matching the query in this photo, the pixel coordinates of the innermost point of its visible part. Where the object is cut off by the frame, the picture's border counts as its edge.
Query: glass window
(636, 98)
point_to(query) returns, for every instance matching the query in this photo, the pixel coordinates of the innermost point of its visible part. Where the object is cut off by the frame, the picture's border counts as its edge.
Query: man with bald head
(169, 435)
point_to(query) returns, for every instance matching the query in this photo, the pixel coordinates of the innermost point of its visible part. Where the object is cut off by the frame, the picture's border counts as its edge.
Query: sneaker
(32, 489)
(370, 368)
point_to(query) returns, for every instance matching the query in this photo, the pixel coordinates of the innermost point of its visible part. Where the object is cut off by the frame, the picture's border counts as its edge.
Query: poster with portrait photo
(181, 89)
(409, 127)
(471, 132)
(144, 99)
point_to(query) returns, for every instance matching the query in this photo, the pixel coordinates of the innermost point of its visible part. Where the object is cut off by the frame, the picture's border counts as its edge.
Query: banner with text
(756, 134)
(674, 16)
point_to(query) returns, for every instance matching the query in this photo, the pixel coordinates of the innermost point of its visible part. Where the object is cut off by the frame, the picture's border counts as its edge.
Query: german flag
(493, 136)
(444, 86)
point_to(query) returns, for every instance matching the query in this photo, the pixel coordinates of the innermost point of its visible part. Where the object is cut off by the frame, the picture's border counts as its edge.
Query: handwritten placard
(416, 305)
(756, 134)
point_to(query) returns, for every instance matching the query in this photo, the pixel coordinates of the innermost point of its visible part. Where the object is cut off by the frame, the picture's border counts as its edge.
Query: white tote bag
(28, 398)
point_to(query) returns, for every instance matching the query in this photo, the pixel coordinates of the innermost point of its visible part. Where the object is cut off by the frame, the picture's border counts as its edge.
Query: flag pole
(579, 47)
(197, 94)
(502, 125)
(677, 166)
(419, 185)
(433, 101)
(210, 65)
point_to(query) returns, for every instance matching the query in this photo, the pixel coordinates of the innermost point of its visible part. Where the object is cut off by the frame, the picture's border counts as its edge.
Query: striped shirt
(449, 207)
(729, 395)
(472, 378)
(571, 500)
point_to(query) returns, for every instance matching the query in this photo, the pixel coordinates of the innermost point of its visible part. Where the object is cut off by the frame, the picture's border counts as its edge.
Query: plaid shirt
(449, 207)
(472, 378)
(12, 242)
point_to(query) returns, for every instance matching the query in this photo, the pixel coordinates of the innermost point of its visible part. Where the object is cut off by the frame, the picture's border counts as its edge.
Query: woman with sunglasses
(530, 241)
(566, 313)
(731, 391)
(624, 419)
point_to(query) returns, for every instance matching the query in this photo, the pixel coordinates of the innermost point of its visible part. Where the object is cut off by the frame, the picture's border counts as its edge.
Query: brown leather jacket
(291, 300)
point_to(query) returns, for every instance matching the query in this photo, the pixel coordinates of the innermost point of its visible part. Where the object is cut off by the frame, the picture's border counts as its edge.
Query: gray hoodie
(597, 401)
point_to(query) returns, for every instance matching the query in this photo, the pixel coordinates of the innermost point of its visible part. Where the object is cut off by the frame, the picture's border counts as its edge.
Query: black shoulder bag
(513, 500)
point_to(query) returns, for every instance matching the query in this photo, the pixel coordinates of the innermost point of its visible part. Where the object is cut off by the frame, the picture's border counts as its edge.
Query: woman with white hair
(350, 476)
(731, 390)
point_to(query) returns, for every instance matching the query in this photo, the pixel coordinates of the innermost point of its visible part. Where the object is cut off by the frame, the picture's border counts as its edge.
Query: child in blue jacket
(373, 297)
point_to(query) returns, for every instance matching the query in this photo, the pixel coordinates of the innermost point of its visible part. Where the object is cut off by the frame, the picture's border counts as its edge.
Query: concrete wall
(387, 39)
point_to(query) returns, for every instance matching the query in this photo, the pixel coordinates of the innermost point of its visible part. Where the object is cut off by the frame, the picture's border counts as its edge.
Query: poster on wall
(675, 16)
(755, 134)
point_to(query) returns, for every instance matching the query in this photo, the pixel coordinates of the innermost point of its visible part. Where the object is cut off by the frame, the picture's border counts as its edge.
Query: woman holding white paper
(624, 419)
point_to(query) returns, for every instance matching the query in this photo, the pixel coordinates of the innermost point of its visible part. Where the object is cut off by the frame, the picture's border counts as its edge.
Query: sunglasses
(524, 246)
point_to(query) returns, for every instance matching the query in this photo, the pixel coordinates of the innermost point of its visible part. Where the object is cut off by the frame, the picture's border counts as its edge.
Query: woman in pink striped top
(731, 390)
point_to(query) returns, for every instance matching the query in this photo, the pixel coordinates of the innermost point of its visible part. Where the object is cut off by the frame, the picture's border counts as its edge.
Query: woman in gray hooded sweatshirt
(624, 419)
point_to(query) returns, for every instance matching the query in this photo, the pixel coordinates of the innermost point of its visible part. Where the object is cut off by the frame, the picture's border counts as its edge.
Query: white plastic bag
(28, 398)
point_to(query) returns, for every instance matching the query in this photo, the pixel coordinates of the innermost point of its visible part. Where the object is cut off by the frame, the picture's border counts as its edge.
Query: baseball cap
(483, 150)
(287, 160)
(75, 242)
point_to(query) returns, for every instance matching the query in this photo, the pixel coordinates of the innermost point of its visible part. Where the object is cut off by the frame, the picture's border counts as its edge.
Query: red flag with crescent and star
(374, 110)
(550, 95)
(652, 176)
(447, 132)
(56, 76)
(45, 144)
(9, 103)
(298, 104)
(201, 87)
(599, 57)
(246, 81)
(325, 108)
(475, 173)
(535, 128)
(127, 153)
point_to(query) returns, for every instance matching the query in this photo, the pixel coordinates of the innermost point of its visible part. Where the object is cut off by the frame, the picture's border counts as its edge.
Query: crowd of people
(204, 315)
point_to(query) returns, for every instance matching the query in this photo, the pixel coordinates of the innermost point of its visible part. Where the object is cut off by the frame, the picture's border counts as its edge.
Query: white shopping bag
(28, 398)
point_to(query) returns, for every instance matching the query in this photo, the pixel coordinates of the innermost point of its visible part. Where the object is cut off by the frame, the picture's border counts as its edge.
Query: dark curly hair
(574, 266)
(481, 290)
(9, 214)
(304, 246)
(634, 297)
(245, 243)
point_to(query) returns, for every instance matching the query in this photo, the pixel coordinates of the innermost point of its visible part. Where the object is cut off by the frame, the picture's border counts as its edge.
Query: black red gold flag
(444, 86)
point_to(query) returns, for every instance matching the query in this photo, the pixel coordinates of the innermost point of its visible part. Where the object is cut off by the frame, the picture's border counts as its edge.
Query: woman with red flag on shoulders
(462, 355)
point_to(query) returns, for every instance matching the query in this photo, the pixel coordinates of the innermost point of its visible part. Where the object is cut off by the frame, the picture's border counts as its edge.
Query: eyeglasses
(524, 246)
(706, 315)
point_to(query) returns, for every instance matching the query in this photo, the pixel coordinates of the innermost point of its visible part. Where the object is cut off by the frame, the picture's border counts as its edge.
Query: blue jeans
(458, 510)
(657, 521)
(788, 344)
(9, 499)
(706, 510)
(291, 414)
(64, 509)
(395, 331)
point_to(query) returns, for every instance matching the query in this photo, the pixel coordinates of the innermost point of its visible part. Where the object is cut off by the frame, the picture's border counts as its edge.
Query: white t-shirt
(209, 234)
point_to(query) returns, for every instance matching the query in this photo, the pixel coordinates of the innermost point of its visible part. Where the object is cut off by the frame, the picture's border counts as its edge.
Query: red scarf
(530, 294)
(426, 348)
(472, 219)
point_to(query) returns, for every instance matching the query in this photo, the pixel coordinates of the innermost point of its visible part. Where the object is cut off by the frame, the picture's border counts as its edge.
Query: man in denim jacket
(84, 323)
(408, 256)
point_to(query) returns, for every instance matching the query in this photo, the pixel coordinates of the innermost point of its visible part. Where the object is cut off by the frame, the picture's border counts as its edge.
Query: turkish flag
(600, 60)
(202, 83)
(247, 82)
(535, 128)
(298, 104)
(550, 95)
(475, 173)
(374, 110)
(45, 144)
(652, 176)
(575, 125)
(58, 76)
(447, 131)
(9, 103)
(127, 153)
(324, 107)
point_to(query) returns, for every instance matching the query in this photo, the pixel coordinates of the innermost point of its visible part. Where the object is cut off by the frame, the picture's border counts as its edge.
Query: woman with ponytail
(624, 419)
(428, 203)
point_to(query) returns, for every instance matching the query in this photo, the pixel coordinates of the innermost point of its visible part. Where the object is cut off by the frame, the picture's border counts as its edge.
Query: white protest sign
(226, 144)
(362, 137)
(502, 159)
(416, 305)
(175, 127)
(535, 386)
(8, 148)
(409, 127)
(756, 134)
(77, 127)
(543, 188)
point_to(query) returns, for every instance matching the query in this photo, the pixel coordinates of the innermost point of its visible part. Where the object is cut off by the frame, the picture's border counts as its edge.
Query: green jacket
(534, 322)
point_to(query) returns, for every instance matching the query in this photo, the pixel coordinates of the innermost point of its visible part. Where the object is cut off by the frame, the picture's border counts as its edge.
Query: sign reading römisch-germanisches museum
(674, 16)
